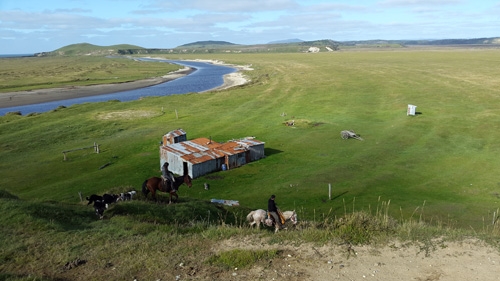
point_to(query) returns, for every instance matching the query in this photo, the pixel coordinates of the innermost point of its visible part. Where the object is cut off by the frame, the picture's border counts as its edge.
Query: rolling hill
(281, 46)
(82, 49)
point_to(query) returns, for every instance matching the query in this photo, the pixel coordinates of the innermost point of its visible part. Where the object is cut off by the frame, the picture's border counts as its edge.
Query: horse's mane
(292, 215)
(181, 179)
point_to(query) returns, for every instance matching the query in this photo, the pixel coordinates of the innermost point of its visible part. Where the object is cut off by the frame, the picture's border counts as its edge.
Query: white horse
(260, 216)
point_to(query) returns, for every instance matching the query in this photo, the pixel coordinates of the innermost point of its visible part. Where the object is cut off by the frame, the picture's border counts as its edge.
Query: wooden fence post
(95, 147)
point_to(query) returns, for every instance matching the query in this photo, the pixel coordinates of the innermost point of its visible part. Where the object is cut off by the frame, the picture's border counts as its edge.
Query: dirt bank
(444, 261)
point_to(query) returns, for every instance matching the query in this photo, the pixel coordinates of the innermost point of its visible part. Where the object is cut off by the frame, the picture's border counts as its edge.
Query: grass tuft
(239, 258)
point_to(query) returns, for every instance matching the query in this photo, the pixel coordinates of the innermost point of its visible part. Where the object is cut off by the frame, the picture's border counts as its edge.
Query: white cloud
(419, 2)
(27, 25)
(234, 6)
(73, 10)
(20, 20)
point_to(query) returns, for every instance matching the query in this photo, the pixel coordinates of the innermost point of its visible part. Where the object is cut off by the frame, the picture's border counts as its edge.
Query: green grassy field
(445, 156)
(28, 73)
(438, 166)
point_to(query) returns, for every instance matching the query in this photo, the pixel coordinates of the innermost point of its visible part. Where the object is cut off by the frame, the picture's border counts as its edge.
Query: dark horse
(155, 183)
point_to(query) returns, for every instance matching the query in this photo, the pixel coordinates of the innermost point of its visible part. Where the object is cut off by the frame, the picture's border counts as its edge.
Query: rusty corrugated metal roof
(176, 133)
(193, 152)
(208, 143)
(250, 141)
(203, 149)
(231, 148)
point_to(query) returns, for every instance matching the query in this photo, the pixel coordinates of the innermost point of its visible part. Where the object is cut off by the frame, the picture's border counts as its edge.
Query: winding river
(205, 77)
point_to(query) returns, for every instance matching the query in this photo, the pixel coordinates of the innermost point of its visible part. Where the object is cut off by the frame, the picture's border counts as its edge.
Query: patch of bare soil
(296, 123)
(467, 260)
(127, 114)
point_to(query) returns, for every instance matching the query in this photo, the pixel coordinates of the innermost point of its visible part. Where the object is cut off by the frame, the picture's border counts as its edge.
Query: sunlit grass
(31, 73)
(444, 156)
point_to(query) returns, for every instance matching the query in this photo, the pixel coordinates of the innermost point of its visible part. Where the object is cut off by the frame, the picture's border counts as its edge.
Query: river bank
(22, 98)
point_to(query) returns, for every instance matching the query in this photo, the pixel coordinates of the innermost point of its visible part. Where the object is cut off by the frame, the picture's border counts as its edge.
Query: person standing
(168, 177)
(273, 210)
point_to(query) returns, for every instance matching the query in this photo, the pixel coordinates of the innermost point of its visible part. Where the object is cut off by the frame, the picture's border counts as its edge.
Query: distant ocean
(16, 55)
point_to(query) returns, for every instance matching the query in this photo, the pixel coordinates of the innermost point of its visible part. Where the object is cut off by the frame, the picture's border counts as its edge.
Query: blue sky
(28, 26)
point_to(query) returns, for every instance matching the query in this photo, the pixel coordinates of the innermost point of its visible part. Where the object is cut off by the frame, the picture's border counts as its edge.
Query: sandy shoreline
(21, 98)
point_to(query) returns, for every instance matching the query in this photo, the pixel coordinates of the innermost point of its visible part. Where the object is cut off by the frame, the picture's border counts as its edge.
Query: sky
(31, 26)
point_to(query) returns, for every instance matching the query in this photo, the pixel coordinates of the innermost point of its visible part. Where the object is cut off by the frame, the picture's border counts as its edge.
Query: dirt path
(467, 260)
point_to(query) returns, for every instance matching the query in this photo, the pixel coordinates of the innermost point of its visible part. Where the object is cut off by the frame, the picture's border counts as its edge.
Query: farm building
(202, 155)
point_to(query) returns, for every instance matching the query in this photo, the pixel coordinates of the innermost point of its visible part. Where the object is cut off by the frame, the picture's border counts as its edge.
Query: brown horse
(155, 183)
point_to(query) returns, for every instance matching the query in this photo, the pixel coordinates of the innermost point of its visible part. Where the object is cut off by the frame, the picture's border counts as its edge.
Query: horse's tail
(145, 189)
(250, 216)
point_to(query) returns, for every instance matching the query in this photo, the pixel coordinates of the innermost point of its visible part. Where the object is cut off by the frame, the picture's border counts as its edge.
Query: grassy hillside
(443, 158)
(207, 44)
(85, 49)
(289, 46)
(30, 73)
(437, 167)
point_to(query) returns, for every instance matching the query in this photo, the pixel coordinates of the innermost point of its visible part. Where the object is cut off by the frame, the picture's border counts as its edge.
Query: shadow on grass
(271, 151)
(63, 216)
(66, 217)
(52, 215)
(340, 195)
(184, 212)
(49, 214)
(19, 277)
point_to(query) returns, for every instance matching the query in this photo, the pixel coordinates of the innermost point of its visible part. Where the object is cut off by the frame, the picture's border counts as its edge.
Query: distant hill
(81, 49)
(206, 44)
(474, 41)
(281, 46)
(428, 42)
(226, 47)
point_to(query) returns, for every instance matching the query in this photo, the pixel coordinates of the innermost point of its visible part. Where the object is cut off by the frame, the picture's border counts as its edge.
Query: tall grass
(238, 258)
(138, 238)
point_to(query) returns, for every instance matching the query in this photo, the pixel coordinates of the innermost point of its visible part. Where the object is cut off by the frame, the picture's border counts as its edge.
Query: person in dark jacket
(168, 177)
(272, 209)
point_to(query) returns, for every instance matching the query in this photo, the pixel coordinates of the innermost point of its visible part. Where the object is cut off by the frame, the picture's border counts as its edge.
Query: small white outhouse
(411, 109)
